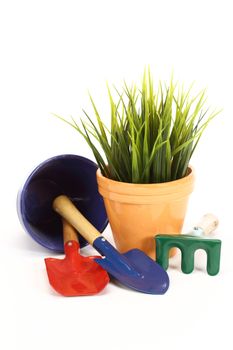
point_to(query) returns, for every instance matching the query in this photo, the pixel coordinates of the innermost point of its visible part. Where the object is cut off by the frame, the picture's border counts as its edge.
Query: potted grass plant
(144, 155)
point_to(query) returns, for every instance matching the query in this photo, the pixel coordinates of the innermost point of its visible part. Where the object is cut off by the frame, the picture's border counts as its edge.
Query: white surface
(51, 53)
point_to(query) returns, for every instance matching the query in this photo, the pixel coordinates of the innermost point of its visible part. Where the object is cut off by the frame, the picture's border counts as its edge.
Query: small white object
(197, 231)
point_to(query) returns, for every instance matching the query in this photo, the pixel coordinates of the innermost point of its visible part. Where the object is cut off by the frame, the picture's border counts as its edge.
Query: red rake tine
(75, 275)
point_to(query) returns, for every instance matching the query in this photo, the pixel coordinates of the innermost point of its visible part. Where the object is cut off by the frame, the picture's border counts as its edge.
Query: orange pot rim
(145, 193)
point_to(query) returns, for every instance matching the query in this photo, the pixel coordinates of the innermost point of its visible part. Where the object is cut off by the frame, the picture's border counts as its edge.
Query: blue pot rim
(24, 186)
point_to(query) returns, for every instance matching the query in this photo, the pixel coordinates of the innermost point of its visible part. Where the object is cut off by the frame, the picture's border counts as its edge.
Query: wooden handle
(69, 232)
(63, 206)
(208, 223)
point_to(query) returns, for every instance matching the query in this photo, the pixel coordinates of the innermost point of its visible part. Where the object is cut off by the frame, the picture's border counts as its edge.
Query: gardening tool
(189, 243)
(133, 269)
(75, 275)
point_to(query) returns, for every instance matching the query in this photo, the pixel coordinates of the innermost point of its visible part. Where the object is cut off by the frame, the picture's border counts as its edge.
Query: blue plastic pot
(76, 177)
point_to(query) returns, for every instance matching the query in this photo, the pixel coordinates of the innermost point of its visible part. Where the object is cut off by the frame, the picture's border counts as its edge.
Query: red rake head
(76, 275)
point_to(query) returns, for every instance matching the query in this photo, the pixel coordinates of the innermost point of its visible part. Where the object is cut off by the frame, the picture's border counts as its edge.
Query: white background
(51, 53)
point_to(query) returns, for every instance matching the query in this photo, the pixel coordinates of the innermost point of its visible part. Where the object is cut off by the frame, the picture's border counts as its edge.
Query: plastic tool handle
(63, 206)
(207, 224)
(69, 233)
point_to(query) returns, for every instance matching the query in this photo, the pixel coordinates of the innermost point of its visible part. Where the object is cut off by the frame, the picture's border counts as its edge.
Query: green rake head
(188, 245)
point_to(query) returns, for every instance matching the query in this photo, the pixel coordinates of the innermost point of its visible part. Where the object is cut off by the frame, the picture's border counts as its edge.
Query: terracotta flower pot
(137, 212)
